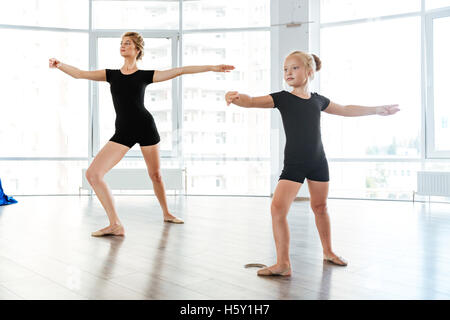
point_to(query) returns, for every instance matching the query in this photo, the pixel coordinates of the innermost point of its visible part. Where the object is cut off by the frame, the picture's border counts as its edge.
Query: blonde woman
(134, 124)
(304, 156)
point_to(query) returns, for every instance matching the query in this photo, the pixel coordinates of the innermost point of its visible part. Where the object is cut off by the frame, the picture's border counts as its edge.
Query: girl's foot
(334, 259)
(276, 270)
(172, 219)
(112, 230)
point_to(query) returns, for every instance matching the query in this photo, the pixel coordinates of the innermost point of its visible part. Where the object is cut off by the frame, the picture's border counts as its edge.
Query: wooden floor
(396, 250)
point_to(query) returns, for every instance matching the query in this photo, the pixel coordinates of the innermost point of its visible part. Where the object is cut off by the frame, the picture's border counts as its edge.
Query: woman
(134, 124)
(304, 156)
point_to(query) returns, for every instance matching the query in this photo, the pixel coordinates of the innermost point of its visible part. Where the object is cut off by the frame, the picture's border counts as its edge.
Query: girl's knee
(319, 207)
(278, 209)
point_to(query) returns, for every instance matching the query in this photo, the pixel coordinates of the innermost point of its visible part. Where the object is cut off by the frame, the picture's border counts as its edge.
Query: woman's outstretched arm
(246, 101)
(97, 75)
(357, 111)
(175, 72)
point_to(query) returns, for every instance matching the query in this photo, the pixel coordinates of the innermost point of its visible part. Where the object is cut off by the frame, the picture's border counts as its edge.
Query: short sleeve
(148, 76)
(108, 75)
(324, 102)
(277, 99)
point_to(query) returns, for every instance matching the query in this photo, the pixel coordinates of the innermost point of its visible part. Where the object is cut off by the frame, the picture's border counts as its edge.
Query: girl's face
(127, 48)
(295, 73)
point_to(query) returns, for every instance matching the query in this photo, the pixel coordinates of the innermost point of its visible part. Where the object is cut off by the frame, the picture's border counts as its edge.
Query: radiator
(433, 183)
(137, 179)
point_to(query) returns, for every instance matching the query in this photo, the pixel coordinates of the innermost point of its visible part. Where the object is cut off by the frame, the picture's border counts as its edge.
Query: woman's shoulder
(112, 72)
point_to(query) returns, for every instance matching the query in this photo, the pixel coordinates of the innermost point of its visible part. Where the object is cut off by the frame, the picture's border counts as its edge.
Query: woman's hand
(387, 110)
(54, 63)
(231, 97)
(222, 68)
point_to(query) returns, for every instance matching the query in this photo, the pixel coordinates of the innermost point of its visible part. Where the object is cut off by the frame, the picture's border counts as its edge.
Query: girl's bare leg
(284, 195)
(319, 194)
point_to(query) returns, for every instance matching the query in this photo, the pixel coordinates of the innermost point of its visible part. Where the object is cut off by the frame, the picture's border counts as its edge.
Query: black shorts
(129, 139)
(315, 171)
(142, 131)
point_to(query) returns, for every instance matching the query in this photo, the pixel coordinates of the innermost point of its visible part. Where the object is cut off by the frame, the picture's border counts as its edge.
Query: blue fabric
(4, 199)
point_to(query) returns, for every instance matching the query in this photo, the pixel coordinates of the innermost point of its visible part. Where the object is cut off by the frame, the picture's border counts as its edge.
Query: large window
(44, 112)
(215, 134)
(226, 149)
(229, 131)
(434, 4)
(377, 52)
(371, 67)
(46, 13)
(438, 26)
(213, 14)
(135, 14)
(54, 124)
(341, 10)
(41, 177)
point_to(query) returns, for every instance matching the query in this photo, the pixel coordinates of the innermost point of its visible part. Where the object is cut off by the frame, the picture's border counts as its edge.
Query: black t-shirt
(301, 122)
(128, 93)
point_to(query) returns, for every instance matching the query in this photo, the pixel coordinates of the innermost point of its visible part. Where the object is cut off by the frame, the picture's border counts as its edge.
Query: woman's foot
(172, 219)
(112, 230)
(276, 270)
(334, 259)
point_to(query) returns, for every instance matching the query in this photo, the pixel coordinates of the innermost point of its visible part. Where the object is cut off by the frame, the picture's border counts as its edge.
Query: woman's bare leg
(152, 160)
(284, 195)
(104, 161)
(319, 194)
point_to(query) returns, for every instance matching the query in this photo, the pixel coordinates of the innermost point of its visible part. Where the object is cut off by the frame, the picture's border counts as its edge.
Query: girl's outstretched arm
(175, 72)
(356, 111)
(246, 101)
(97, 75)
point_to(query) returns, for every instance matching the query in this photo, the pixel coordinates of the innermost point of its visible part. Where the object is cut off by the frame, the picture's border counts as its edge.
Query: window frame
(427, 150)
(431, 152)
(95, 121)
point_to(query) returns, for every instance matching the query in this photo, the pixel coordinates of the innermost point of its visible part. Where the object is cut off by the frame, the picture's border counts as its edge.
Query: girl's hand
(387, 110)
(231, 97)
(222, 68)
(54, 63)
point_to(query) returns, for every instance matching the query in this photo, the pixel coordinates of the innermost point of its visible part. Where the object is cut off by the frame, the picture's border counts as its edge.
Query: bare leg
(105, 160)
(152, 160)
(319, 193)
(284, 194)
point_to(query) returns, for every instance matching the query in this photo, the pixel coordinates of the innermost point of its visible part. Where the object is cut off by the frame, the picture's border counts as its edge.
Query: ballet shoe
(257, 265)
(117, 231)
(174, 220)
(339, 261)
(267, 272)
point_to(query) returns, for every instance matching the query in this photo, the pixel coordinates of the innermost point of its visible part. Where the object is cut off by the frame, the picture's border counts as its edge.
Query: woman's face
(127, 48)
(295, 73)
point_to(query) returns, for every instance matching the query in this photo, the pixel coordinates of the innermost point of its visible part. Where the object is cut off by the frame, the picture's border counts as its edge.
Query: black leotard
(134, 124)
(304, 156)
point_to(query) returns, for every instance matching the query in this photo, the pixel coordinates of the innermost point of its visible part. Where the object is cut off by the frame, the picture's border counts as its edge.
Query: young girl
(304, 156)
(134, 124)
